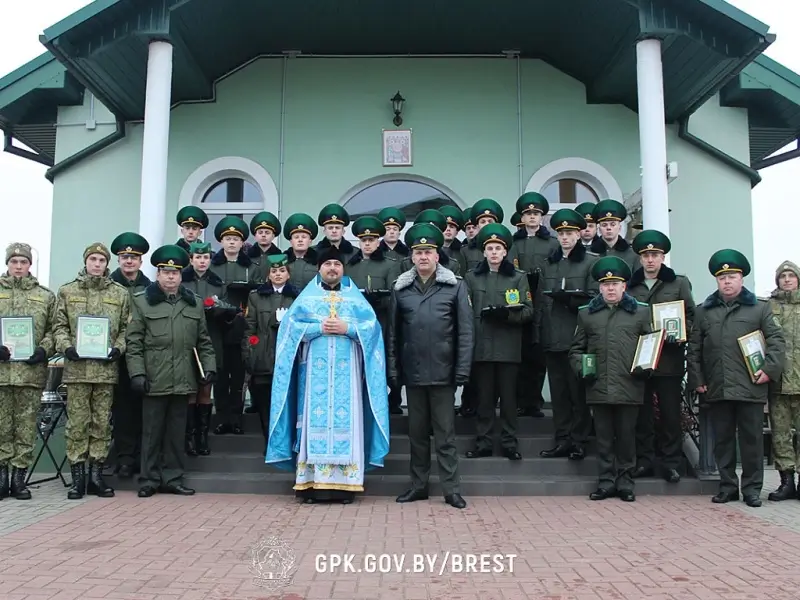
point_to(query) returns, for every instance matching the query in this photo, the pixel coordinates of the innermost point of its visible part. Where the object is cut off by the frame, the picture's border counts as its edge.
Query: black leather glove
(140, 385)
(499, 313)
(640, 373)
(590, 378)
(5, 354)
(71, 354)
(114, 354)
(38, 356)
(210, 377)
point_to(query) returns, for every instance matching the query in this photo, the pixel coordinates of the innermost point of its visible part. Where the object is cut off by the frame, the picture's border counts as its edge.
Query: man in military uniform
(470, 229)
(129, 247)
(430, 351)
(237, 272)
(608, 331)
(565, 284)
(784, 401)
(333, 219)
(90, 381)
(265, 227)
(532, 245)
(23, 378)
(588, 235)
(718, 369)
(502, 306)
(193, 220)
(200, 280)
(516, 221)
(300, 229)
(393, 220)
(374, 273)
(654, 283)
(165, 371)
(452, 245)
(483, 212)
(609, 215)
(434, 217)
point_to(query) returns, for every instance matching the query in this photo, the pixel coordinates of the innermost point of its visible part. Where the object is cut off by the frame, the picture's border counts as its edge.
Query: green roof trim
(736, 14)
(43, 72)
(27, 69)
(79, 17)
(766, 73)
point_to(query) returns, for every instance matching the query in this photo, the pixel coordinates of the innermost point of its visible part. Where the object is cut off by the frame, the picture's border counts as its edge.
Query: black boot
(19, 490)
(191, 430)
(4, 488)
(78, 488)
(787, 489)
(97, 486)
(204, 423)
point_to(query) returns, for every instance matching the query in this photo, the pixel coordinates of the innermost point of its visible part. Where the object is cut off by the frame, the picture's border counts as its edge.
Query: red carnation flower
(208, 302)
(253, 340)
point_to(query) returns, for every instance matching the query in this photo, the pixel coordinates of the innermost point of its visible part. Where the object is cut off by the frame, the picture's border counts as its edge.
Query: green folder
(588, 364)
(756, 361)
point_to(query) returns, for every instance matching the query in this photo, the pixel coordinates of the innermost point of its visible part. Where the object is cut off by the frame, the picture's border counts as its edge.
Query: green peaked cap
(300, 223)
(424, 235)
(651, 240)
(333, 214)
(200, 248)
(454, 215)
(566, 218)
(391, 215)
(368, 226)
(265, 220)
(728, 261)
(468, 217)
(611, 268)
(170, 257)
(609, 210)
(494, 232)
(586, 210)
(532, 201)
(231, 226)
(433, 217)
(192, 215)
(277, 260)
(516, 220)
(129, 243)
(487, 208)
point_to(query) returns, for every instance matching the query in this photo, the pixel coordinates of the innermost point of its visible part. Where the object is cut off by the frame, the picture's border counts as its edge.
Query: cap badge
(423, 240)
(564, 223)
(609, 274)
(231, 228)
(128, 249)
(366, 231)
(190, 219)
(494, 236)
(608, 214)
(531, 206)
(300, 227)
(100, 248)
(391, 219)
(726, 266)
(487, 212)
(264, 223)
(170, 262)
(649, 246)
(334, 217)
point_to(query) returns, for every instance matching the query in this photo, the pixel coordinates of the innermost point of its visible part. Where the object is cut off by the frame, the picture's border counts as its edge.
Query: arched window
(409, 195)
(230, 197)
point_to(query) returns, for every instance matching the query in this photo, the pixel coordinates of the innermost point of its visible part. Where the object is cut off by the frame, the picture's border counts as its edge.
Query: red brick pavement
(567, 549)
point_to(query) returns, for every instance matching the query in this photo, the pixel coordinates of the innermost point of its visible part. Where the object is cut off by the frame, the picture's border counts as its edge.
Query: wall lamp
(397, 107)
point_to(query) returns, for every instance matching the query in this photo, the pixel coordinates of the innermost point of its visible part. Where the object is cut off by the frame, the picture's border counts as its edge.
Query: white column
(652, 135)
(155, 147)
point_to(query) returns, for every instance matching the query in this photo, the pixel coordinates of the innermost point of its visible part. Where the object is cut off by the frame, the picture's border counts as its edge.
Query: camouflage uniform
(90, 383)
(784, 403)
(21, 384)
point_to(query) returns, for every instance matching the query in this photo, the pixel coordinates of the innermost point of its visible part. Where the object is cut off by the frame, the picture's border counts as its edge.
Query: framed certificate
(648, 350)
(16, 334)
(754, 351)
(671, 317)
(92, 337)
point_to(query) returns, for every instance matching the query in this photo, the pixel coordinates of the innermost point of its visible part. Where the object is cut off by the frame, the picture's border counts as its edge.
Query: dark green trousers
(432, 406)
(127, 414)
(730, 420)
(495, 379)
(669, 433)
(615, 428)
(571, 417)
(163, 430)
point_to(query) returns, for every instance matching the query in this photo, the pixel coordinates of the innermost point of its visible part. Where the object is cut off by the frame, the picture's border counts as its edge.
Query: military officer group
(493, 312)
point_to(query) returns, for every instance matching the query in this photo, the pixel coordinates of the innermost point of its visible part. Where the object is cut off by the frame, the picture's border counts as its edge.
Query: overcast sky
(26, 195)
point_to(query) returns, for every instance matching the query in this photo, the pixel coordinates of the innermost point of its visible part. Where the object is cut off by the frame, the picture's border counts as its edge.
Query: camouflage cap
(19, 249)
(96, 248)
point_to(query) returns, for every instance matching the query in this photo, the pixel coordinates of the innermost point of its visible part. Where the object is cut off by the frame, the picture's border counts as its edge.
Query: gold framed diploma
(648, 350)
(92, 338)
(671, 317)
(16, 334)
(754, 351)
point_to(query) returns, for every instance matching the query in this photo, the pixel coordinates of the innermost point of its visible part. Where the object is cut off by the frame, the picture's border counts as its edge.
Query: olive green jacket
(345, 247)
(25, 297)
(622, 249)
(472, 254)
(454, 253)
(162, 336)
(668, 287)
(261, 322)
(217, 320)
(137, 285)
(379, 272)
(240, 278)
(96, 297)
(611, 334)
(302, 270)
(260, 260)
(715, 359)
(399, 252)
(499, 341)
(529, 253)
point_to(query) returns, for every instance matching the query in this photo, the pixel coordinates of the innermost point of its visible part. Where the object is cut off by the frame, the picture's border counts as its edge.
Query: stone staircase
(236, 465)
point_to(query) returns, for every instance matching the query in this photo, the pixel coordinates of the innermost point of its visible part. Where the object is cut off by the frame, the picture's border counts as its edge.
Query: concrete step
(529, 445)
(398, 464)
(280, 483)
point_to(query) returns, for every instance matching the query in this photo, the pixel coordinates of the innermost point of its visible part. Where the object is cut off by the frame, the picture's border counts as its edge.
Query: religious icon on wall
(397, 148)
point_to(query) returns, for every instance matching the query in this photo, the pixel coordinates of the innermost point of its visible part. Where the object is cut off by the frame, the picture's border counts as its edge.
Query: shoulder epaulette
(119, 286)
(138, 293)
(520, 271)
(590, 253)
(582, 307)
(457, 276)
(642, 303)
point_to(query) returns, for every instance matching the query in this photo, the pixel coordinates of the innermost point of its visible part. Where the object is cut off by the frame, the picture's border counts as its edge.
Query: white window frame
(590, 173)
(207, 175)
